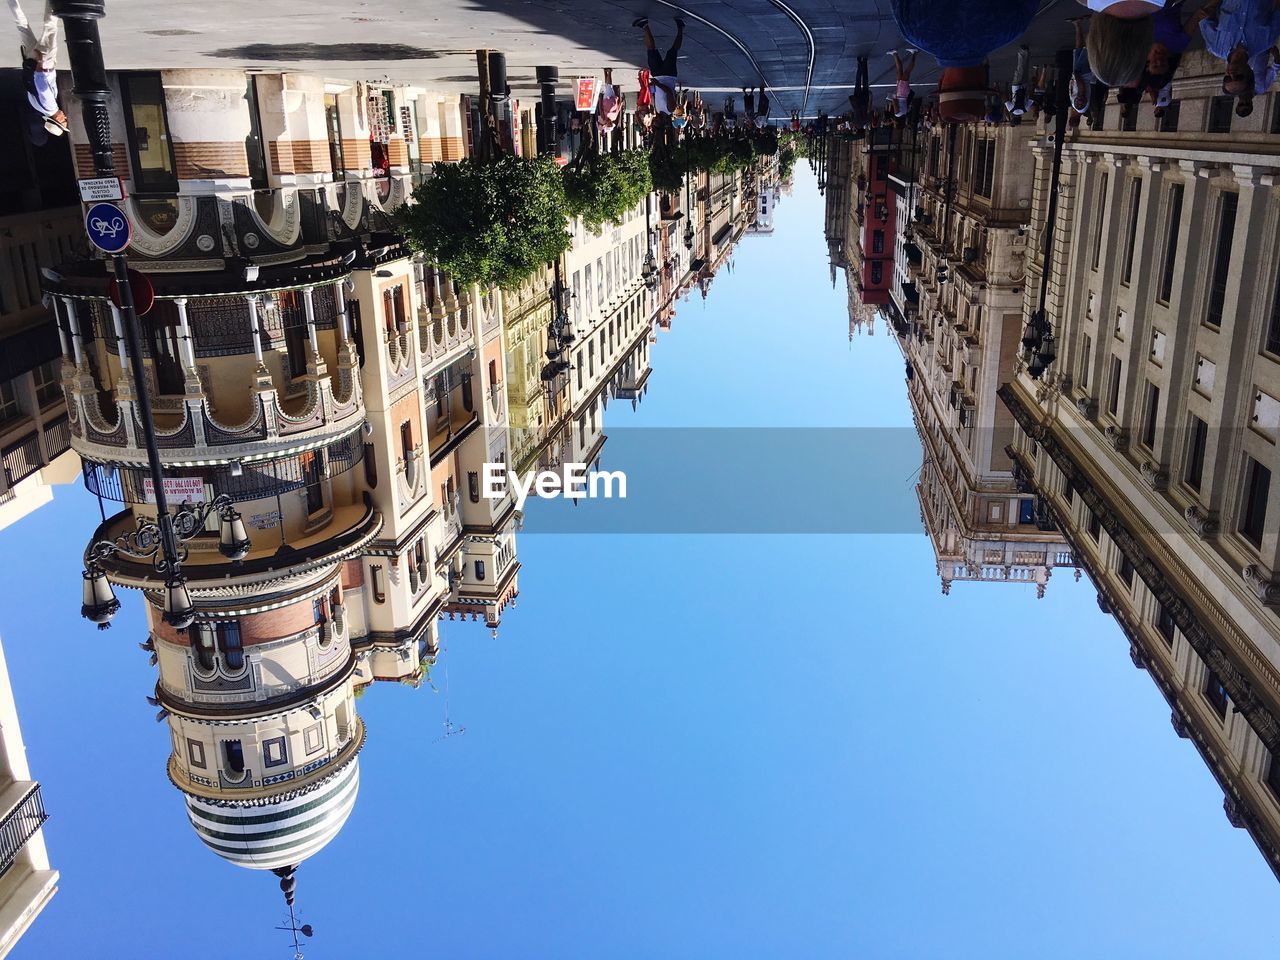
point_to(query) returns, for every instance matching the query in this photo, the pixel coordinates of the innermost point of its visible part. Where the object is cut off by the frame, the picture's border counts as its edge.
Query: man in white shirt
(663, 73)
(39, 61)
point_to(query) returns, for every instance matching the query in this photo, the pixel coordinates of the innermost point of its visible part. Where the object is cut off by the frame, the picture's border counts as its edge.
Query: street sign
(108, 227)
(176, 489)
(588, 88)
(144, 294)
(98, 189)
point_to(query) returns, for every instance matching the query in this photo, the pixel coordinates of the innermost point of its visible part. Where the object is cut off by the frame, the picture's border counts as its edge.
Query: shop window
(147, 133)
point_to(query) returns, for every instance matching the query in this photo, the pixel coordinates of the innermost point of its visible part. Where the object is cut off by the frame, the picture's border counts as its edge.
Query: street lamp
(147, 542)
(650, 270)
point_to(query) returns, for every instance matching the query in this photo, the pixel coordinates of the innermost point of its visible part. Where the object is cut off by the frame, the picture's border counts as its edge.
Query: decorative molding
(1203, 522)
(1264, 585)
(1156, 475)
(1118, 437)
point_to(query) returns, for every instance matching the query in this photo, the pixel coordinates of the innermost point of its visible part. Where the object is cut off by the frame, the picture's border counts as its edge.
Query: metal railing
(20, 826)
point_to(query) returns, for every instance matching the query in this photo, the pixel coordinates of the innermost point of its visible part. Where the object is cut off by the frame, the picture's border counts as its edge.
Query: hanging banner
(176, 489)
(588, 89)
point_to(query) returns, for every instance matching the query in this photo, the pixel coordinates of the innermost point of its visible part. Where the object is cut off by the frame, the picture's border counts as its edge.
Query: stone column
(308, 302)
(340, 300)
(255, 329)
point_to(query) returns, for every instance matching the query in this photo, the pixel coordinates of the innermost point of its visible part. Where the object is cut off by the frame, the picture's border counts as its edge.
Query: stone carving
(1118, 437)
(1203, 522)
(1179, 725)
(1265, 586)
(1088, 407)
(1155, 475)
(1235, 814)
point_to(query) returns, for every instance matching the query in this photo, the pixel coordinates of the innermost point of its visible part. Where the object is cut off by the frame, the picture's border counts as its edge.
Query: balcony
(23, 816)
(193, 434)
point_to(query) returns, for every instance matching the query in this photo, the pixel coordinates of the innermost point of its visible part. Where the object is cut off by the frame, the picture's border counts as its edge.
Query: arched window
(235, 756)
(229, 645)
(202, 646)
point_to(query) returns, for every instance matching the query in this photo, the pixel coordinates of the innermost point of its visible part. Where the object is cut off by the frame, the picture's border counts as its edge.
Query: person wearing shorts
(663, 71)
(901, 99)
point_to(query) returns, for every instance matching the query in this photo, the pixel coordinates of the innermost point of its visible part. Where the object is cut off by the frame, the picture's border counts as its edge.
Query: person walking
(39, 66)
(860, 99)
(900, 102)
(612, 103)
(1016, 105)
(663, 71)
(1243, 33)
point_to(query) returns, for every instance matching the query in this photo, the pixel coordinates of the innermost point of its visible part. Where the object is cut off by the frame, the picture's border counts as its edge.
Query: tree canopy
(492, 223)
(606, 186)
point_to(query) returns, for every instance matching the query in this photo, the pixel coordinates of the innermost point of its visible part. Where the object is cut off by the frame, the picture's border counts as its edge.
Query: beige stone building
(341, 393)
(1152, 437)
(26, 881)
(956, 304)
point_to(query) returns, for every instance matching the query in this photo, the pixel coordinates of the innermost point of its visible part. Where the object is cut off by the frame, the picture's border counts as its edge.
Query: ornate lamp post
(1038, 341)
(147, 543)
(80, 22)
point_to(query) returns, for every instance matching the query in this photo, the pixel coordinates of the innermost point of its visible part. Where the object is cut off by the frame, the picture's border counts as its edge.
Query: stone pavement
(432, 42)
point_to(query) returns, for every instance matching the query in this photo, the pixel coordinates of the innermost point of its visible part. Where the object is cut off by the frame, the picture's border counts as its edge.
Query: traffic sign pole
(84, 46)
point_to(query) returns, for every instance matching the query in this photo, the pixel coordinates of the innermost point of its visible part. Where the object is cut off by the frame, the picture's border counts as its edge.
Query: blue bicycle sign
(107, 227)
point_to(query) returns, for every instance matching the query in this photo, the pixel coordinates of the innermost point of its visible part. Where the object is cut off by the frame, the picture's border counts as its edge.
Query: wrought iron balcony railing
(20, 825)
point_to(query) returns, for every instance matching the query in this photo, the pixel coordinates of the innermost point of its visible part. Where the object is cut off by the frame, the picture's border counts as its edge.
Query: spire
(288, 885)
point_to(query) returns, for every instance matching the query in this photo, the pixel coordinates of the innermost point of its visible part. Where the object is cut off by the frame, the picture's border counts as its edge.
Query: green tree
(603, 188)
(493, 223)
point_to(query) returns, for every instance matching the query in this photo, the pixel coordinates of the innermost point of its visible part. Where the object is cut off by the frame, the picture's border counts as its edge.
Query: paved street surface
(729, 43)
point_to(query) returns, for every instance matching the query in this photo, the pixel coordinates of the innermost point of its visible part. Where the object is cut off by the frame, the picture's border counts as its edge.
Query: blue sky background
(681, 746)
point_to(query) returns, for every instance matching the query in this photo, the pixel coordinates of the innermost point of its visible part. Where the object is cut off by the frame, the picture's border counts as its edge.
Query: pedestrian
(900, 102)
(1243, 33)
(1082, 77)
(1170, 39)
(860, 99)
(612, 103)
(663, 71)
(39, 67)
(762, 108)
(1120, 39)
(1016, 105)
(961, 33)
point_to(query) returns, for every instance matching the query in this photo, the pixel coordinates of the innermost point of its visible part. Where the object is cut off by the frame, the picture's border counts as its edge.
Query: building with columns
(956, 305)
(1152, 437)
(341, 393)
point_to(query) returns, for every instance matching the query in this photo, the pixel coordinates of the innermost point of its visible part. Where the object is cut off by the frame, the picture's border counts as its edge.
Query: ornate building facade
(1152, 438)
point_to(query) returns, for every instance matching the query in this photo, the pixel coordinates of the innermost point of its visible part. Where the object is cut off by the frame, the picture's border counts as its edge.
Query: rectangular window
(1135, 204)
(1197, 439)
(1171, 242)
(333, 129)
(254, 147)
(1026, 510)
(877, 241)
(1165, 624)
(1126, 572)
(312, 475)
(1222, 258)
(1253, 508)
(10, 405)
(1099, 216)
(230, 646)
(48, 383)
(1216, 694)
(479, 568)
(1169, 122)
(1086, 359)
(1220, 112)
(146, 128)
(1273, 325)
(877, 272)
(1151, 413)
(195, 753)
(1095, 527)
(275, 752)
(1113, 394)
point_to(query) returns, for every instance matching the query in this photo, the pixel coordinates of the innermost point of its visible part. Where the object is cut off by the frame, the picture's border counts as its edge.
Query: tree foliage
(492, 223)
(606, 186)
(709, 154)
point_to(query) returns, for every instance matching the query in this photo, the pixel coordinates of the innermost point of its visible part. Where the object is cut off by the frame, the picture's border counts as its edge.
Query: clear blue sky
(682, 746)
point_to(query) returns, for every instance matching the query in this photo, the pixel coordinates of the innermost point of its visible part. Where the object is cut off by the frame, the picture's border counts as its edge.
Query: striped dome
(278, 833)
